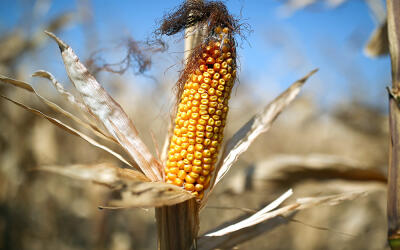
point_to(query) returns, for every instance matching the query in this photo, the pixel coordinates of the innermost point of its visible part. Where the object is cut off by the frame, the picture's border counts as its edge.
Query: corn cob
(201, 115)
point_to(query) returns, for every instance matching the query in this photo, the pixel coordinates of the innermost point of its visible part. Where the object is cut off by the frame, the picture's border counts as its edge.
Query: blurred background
(334, 138)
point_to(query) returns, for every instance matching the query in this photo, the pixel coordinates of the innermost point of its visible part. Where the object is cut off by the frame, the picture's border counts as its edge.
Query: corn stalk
(393, 205)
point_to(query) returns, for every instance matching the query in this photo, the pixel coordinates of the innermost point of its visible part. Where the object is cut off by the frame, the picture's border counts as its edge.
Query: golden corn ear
(201, 116)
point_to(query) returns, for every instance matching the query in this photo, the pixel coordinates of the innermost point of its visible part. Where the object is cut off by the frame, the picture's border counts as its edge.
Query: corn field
(199, 124)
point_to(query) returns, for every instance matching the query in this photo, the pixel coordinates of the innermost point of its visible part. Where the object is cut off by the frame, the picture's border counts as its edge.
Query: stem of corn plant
(393, 203)
(178, 225)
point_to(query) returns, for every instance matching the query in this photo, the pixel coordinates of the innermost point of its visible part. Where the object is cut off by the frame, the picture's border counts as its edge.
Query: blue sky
(276, 53)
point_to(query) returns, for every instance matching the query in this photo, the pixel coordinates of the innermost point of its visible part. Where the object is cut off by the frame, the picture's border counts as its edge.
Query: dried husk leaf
(103, 173)
(378, 44)
(71, 131)
(108, 112)
(240, 232)
(53, 106)
(150, 194)
(255, 218)
(134, 188)
(257, 125)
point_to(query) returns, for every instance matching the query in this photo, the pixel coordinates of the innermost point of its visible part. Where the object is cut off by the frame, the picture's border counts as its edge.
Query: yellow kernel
(211, 110)
(211, 121)
(207, 153)
(205, 117)
(206, 80)
(187, 168)
(201, 179)
(225, 30)
(207, 181)
(214, 143)
(189, 157)
(194, 175)
(195, 116)
(213, 104)
(223, 72)
(197, 162)
(171, 176)
(189, 187)
(218, 123)
(200, 127)
(183, 153)
(205, 86)
(197, 169)
(178, 182)
(213, 98)
(199, 139)
(191, 141)
(195, 103)
(207, 160)
(198, 155)
(203, 112)
(209, 135)
(190, 134)
(216, 76)
(203, 107)
(180, 164)
(199, 187)
(190, 149)
(213, 150)
(217, 92)
(206, 166)
(191, 128)
(207, 142)
(204, 101)
(220, 87)
(199, 147)
(204, 96)
(202, 121)
(209, 128)
(182, 174)
(190, 179)
(205, 172)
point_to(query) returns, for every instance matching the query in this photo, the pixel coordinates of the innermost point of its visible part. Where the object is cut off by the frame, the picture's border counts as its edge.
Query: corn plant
(196, 158)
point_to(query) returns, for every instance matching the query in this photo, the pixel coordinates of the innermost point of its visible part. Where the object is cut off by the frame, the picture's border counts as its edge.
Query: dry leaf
(71, 130)
(103, 173)
(255, 218)
(108, 112)
(257, 125)
(240, 231)
(150, 194)
(378, 44)
(55, 107)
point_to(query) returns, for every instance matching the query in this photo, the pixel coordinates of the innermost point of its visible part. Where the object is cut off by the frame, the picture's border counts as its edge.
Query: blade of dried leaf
(378, 43)
(75, 102)
(244, 225)
(103, 173)
(150, 194)
(108, 112)
(257, 125)
(71, 130)
(255, 218)
(55, 107)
